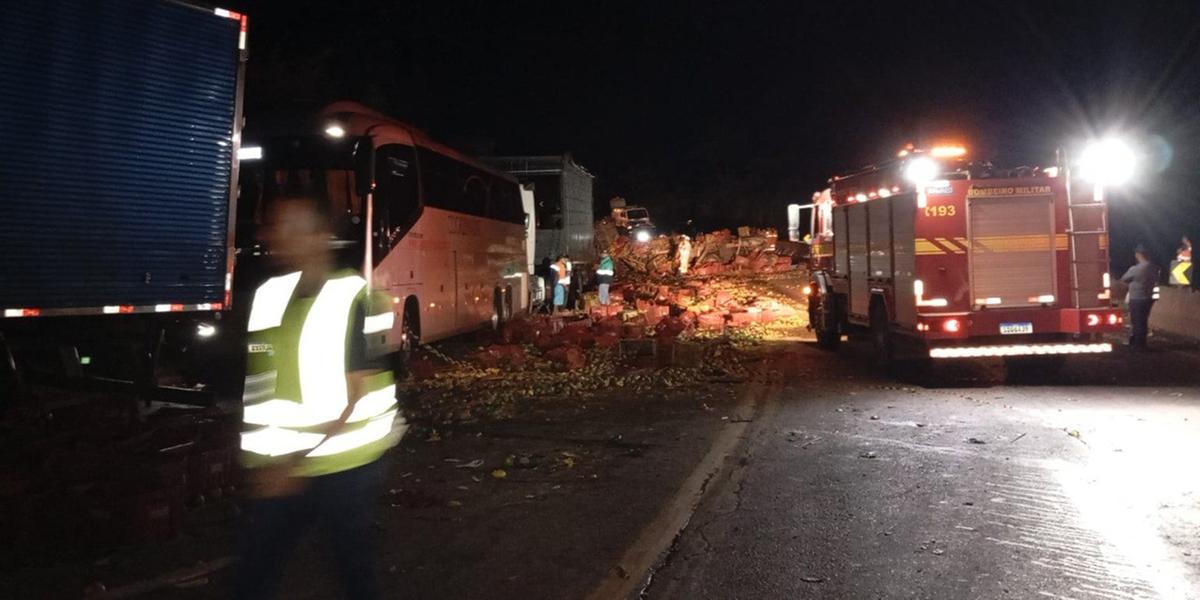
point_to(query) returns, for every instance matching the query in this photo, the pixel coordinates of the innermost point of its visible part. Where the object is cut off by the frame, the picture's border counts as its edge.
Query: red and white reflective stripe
(237, 16)
(1018, 350)
(111, 309)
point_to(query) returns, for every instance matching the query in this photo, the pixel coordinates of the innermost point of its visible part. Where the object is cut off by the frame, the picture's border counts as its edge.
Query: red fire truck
(938, 256)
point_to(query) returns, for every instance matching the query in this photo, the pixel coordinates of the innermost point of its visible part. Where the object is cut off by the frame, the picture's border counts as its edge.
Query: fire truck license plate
(1015, 328)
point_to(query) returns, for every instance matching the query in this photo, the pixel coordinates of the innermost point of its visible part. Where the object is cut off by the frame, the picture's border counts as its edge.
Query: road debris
(975, 441)
(870, 454)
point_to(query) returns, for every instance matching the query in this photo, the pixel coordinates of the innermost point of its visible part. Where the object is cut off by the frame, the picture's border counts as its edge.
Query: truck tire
(881, 336)
(829, 335)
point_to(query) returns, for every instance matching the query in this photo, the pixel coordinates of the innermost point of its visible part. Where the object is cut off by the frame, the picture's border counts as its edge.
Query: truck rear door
(1011, 240)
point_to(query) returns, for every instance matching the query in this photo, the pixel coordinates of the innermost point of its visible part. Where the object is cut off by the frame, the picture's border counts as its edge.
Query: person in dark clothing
(1141, 280)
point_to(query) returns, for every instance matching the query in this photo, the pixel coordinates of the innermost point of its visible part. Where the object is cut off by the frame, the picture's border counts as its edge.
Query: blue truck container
(119, 131)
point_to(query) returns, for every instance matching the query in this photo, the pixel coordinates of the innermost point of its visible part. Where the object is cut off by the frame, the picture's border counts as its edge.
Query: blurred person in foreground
(319, 409)
(1141, 280)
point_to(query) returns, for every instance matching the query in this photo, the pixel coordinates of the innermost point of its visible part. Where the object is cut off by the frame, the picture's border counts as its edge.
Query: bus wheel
(829, 336)
(500, 307)
(411, 328)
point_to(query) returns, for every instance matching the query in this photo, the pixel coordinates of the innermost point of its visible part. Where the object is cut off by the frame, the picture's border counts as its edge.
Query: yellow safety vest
(297, 351)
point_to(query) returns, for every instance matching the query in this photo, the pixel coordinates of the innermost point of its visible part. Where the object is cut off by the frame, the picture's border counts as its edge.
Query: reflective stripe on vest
(270, 302)
(322, 373)
(278, 441)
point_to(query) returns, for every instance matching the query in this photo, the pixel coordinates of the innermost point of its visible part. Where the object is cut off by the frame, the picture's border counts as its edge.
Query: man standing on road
(604, 276)
(319, 410)
(1141, 279)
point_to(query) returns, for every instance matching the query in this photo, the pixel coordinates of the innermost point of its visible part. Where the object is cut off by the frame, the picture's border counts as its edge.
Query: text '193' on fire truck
(934, 255)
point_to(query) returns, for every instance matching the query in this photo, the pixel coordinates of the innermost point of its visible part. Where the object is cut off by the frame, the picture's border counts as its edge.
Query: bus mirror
(364, 167)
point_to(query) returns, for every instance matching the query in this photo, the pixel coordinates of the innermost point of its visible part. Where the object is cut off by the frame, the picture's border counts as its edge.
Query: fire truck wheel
(825, 322)
(881, 335)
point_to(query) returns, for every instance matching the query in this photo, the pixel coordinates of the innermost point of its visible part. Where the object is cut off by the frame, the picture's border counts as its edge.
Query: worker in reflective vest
(561, 274)
(319, 408)
(604, 276)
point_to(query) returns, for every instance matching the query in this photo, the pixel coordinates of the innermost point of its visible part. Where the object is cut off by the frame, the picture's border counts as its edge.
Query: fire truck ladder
(1089, 213)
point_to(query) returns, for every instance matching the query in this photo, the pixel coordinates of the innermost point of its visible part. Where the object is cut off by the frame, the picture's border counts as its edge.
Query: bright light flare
(205, 330)
(642, 236)
(250, 153)
(948, 151)
(335, 130)
(921, 170)
(1110, 161)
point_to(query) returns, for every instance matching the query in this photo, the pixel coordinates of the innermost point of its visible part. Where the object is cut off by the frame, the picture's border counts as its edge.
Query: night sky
(726, 112)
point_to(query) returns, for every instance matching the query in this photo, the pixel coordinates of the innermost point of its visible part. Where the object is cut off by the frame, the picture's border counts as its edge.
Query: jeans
(342, 503)
(1139, 320)
(560, 295)
(604, 294)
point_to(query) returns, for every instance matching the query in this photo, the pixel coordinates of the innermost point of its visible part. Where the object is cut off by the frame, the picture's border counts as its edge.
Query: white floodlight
(1110, 161)
(921, 170)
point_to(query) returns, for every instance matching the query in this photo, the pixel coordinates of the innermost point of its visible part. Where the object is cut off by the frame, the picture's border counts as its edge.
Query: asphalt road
(853, 485)
(817, 478)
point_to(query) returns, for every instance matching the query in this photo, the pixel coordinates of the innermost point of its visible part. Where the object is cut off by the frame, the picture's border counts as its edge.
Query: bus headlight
(335, 130)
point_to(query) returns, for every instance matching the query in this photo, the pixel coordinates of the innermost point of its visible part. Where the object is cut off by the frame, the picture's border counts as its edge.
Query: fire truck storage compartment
(860, 293)
(880, 215)
(841, 255)
(1012, 250)
(904, 258)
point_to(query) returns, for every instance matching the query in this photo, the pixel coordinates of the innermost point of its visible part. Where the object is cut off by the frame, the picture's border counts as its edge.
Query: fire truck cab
(936, 256)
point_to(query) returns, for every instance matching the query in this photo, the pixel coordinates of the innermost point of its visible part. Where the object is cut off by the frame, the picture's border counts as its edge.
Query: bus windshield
(311, 167)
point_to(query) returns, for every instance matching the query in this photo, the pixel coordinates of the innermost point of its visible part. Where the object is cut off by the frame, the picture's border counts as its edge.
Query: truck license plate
(1015, 328)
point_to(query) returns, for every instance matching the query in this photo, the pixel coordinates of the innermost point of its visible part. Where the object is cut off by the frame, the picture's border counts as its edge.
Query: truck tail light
(1093, 320)
(951, 325)
(1114, 318)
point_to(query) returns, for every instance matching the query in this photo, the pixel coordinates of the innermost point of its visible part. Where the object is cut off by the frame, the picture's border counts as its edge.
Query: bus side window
(396, 203)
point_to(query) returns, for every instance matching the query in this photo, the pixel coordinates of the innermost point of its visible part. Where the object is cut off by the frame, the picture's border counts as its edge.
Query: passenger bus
(442, 234)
